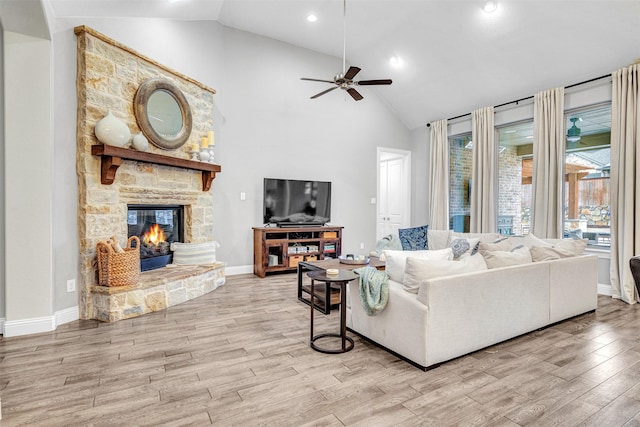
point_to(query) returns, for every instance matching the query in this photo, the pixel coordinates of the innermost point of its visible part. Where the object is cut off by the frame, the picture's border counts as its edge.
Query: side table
(341, 280)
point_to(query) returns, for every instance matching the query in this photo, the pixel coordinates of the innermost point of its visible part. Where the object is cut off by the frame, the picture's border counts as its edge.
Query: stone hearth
(157, 290)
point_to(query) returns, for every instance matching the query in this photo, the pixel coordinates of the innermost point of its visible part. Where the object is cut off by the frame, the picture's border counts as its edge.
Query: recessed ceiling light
(395, 61)
(173, 1)
(490, 6)
(312, 18)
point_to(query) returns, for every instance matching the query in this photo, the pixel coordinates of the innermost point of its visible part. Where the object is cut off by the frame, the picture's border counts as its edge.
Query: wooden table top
(335, 263)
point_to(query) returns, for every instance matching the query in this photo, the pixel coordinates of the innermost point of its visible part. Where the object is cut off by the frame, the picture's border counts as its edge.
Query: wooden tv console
(288, 246)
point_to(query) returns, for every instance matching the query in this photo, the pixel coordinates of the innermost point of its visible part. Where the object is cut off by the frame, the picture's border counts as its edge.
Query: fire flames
(154, 236)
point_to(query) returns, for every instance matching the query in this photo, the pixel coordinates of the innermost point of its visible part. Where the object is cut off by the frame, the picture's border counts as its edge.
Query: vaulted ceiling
(455, 57)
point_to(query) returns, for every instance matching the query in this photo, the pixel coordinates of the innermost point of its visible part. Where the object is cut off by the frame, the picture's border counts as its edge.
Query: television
(290, 202)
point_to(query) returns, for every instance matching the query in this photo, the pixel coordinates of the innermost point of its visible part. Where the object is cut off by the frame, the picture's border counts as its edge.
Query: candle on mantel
(195, 147)
(212, 141)
(204, 142)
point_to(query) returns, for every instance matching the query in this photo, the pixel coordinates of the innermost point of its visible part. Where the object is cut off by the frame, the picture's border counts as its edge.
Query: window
(460, 160)
(515, 166)
(587, 207)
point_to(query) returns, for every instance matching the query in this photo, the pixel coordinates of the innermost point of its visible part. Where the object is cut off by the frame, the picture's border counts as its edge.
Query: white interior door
(393, 191)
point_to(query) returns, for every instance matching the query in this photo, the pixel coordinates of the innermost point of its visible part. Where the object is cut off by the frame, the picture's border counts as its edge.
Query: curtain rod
(529, 97)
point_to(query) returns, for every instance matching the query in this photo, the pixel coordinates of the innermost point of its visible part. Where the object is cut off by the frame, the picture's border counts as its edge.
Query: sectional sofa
(443, 317)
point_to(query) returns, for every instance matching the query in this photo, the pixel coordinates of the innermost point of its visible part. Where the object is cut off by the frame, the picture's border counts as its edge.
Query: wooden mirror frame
(141, 99)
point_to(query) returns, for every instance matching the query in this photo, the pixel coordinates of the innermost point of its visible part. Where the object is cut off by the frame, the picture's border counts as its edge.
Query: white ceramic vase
(140, 142)
(111, 130)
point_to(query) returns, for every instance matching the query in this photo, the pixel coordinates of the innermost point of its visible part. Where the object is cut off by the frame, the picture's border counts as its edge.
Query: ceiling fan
(345, 80)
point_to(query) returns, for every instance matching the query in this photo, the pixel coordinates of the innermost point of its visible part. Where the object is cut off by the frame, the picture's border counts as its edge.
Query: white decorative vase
(111, 130)
(140, 142)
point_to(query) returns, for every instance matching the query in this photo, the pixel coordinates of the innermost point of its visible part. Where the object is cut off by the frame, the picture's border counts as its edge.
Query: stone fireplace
(175, 197)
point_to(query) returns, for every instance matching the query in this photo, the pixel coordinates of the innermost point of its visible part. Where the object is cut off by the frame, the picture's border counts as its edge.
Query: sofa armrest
(573, 287)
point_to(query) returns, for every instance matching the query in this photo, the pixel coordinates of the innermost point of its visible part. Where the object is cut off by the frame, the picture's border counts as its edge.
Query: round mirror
(163, 113)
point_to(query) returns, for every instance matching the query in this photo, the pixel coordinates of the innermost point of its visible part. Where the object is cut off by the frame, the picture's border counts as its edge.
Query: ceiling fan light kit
(490, 6)
(345, 80)
(573, 133)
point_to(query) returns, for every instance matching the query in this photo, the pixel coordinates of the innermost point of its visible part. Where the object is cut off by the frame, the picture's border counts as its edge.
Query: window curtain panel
(548, 164)
(484, 186)
(625, 180)
(439, 176)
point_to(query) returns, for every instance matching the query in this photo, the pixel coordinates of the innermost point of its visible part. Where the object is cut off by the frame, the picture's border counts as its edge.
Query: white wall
(28, 170)
(420, 140)
(272, 129)
(2, 183)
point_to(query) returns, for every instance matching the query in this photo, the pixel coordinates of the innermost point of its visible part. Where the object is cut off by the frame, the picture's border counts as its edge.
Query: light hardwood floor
(240, 356)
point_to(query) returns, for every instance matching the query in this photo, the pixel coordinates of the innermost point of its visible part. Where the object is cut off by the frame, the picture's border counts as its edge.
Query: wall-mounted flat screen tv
(289, 202)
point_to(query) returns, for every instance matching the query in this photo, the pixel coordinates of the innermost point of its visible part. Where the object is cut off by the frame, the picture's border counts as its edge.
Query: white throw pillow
(575, 245)
(194, 253)
(438, 239)
(464, 247)
(500, 245)
(530, 241)
(540, 253)
(418, 271)
(516, 256)
(395, 261)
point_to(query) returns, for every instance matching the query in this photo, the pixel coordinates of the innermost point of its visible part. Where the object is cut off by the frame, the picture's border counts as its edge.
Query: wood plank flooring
(240, 356)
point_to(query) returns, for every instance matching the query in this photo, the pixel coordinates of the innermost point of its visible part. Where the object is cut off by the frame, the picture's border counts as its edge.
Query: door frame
(384, 154)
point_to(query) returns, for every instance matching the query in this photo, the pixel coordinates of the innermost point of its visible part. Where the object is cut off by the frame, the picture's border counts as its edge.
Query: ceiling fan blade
(373, 82)
(317, 80)
(323, 92)
(354, 94)
(351, 73)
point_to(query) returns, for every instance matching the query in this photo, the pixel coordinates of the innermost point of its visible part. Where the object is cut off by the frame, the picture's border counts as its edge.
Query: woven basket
(119, 269)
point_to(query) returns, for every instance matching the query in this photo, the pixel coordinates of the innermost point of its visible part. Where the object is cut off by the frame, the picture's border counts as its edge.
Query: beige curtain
(439, 177)
(548, 163)
(625, 180)
(484, 184)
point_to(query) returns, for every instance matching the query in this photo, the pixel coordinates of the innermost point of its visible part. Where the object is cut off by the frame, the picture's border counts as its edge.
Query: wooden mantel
(112, 159)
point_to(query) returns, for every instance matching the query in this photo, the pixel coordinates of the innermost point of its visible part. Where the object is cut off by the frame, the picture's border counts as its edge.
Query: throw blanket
(374, 289)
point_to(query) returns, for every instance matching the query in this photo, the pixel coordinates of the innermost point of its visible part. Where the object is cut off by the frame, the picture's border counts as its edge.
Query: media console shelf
(112, 159)
(288, 246)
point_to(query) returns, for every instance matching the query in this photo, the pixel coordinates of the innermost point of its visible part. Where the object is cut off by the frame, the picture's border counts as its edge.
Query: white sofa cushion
(395, 261)
(438, 239)
(483, 237)
(418, 271)
(516, 256)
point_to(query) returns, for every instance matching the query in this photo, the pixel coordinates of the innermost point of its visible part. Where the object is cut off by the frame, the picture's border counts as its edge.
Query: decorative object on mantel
(118, 268)
(111, 130)
(204, 149)
(112, 159)
(139, 142)
(163, 113)
(212, 143)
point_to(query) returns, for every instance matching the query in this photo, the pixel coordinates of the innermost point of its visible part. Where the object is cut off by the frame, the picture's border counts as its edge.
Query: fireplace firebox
(157, 226)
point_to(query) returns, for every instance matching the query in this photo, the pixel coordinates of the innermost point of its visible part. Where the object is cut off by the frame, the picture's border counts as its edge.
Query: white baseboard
(605, 289)
(14, 328)
(239, 269)
(67, 315)
(36, 325)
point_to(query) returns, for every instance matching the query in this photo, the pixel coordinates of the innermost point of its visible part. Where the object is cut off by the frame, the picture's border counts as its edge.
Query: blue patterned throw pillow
(414, 239)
